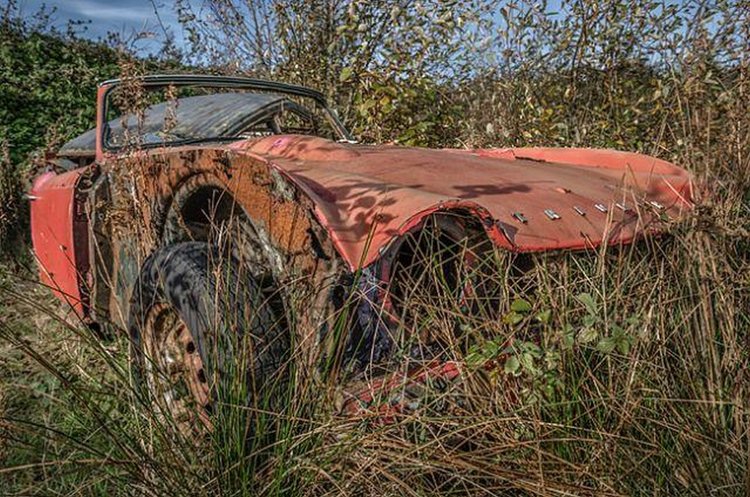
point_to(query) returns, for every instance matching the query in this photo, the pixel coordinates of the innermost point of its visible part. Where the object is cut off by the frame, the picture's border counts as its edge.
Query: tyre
(202, 336)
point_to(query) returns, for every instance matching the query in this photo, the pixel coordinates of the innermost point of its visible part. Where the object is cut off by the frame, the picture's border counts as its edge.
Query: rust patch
(307, 264)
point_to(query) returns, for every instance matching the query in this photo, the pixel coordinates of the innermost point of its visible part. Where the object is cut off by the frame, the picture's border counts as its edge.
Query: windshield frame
(155, 82)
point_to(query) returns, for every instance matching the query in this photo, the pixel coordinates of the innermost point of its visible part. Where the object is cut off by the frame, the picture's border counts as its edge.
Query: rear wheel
(203, 335)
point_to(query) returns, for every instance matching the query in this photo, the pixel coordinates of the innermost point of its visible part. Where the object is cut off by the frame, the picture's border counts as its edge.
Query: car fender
(59, 234)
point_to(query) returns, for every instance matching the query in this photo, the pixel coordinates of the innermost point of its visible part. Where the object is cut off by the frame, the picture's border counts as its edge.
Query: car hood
(528, 199)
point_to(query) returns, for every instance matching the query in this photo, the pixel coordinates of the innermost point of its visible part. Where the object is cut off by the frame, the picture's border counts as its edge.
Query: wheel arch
(185, 180)
(282, 217)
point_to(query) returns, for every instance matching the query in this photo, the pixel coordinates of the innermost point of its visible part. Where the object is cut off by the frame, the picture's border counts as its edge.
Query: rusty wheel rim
(175, 371)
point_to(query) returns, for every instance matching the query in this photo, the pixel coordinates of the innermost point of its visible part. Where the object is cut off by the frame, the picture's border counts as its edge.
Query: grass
(617, 373)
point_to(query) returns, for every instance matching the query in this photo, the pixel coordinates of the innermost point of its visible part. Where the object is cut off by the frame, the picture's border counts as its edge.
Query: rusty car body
(328, 216)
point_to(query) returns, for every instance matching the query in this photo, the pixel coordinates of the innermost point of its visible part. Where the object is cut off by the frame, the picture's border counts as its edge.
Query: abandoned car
(265, 181)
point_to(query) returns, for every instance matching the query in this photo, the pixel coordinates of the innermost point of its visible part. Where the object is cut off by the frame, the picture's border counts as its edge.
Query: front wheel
(203, 337)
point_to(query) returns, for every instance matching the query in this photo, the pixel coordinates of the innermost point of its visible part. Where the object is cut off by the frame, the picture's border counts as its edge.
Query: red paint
(368, 195)
(59, 236)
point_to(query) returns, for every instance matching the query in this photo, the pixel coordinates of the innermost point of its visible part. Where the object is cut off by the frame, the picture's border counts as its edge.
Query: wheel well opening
(207, 208)
(425, 285)
(442, 276)
(209, 213)
(424, 268)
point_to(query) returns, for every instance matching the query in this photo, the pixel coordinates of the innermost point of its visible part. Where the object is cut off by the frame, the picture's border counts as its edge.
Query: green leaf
(532, 349)
(513, 318)
(587, 335)
(569, 340)
(491, 349)
(346, 73)
(512, 365)
(521, 305)
(606, 345)
(543, 317)
(623, 345)
(588, 301)
(475, 359)
(527, 361)
(590, 320)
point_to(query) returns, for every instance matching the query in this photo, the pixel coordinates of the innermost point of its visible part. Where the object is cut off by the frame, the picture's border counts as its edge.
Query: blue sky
(127, 17)
(121, 16)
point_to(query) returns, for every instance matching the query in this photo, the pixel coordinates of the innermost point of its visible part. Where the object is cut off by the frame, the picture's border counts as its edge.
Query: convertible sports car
(130, 218)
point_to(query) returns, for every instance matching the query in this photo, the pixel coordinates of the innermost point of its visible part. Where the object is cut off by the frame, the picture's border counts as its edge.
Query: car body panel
(368, 195)
(59, 236)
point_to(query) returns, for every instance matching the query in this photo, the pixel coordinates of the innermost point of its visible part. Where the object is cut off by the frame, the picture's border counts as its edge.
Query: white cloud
(110, 11)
